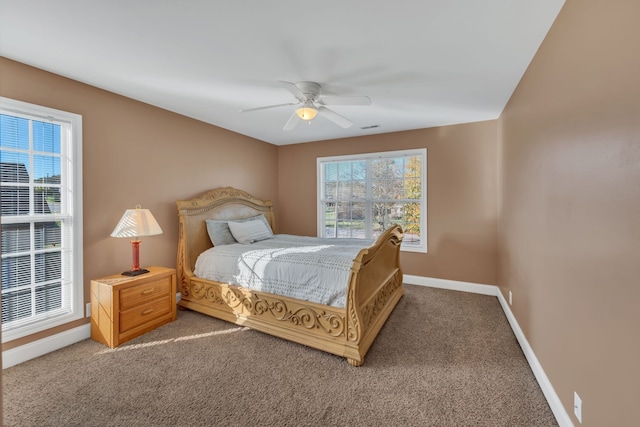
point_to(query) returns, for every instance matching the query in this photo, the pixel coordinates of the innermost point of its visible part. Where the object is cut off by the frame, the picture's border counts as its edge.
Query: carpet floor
(443, 358)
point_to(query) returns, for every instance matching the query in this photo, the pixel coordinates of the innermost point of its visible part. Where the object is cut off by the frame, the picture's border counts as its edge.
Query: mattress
(306, 268)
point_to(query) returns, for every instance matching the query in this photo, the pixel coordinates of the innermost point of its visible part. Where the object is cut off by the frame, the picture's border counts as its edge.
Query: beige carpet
(444, 358)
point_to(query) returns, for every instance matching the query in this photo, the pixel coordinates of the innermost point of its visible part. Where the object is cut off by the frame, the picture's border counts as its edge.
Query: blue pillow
(219, 232)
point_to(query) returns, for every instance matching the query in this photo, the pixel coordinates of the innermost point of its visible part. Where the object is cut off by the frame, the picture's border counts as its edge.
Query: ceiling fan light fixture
(307, 112)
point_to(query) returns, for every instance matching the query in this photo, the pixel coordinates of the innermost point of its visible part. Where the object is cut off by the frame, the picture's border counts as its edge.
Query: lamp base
(135, 272)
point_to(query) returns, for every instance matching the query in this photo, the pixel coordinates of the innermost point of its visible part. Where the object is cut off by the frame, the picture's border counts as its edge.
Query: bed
(373, 284)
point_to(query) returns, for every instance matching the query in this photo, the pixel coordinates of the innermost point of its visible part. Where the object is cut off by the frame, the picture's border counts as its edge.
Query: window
(360, 196)
(41, 195)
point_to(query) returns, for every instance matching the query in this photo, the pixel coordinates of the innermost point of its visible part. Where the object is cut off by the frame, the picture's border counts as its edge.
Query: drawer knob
(147, 311)
(147, 291)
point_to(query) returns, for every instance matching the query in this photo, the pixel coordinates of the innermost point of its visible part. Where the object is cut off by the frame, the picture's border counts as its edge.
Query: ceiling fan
(309, 95)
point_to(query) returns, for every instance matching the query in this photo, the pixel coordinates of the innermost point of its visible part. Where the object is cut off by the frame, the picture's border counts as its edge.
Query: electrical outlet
(88, 309)
(510, 298)
(577, 406)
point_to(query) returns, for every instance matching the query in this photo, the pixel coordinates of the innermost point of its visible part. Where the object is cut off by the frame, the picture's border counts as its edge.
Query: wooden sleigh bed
(374, 288)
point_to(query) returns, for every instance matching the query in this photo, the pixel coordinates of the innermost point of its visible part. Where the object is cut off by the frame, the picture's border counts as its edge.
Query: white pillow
(250, 231)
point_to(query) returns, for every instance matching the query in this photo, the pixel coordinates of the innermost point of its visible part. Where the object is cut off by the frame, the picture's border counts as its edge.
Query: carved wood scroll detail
(371, 310)
(219, 197)
(252, 304)
(353, 328)
(181, 262)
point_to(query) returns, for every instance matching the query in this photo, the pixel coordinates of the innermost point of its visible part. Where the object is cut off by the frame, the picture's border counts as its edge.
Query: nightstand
(123, 308)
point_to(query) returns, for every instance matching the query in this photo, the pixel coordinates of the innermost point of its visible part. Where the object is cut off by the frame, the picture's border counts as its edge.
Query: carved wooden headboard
(220, 203)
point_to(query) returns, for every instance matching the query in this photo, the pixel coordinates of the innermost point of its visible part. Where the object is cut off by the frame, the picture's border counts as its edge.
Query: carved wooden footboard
(375, 284)
(374, 290)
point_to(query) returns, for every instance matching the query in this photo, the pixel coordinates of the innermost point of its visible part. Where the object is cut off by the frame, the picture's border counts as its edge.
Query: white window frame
(70, 164)
(422, 152)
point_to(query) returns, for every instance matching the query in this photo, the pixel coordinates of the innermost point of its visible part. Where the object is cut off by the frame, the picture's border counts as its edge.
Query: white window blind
(359, 196)
(40, 186)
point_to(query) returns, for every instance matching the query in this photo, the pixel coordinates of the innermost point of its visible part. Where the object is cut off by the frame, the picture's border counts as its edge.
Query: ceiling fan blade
(292, 122)
(291, 87)
(345, 100)
(268, 107)
(334, 117)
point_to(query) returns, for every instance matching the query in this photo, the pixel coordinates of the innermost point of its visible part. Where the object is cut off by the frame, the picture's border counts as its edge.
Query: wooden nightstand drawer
(137, 295)
(125, 307)
(144, 313)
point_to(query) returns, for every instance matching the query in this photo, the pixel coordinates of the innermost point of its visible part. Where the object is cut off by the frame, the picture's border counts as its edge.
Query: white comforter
(305, 268)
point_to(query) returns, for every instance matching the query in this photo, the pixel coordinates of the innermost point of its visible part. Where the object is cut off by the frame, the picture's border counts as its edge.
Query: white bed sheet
(305, 268)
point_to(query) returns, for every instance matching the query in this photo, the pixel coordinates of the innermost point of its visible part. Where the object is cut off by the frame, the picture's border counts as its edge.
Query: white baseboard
(46, 345)
(453, 285)
(547, 388)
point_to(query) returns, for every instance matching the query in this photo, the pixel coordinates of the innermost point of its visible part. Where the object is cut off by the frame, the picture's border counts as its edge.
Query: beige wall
(134, 153)
(569, 228)
(461, 195)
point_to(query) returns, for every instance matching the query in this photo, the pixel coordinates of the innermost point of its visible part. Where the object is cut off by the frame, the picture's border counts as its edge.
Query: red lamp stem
(135, 252)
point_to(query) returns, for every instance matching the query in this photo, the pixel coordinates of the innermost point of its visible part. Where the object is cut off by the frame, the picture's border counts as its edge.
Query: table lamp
(133, 224)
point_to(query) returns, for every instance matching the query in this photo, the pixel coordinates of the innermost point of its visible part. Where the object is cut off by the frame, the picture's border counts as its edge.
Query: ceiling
(423, 63)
